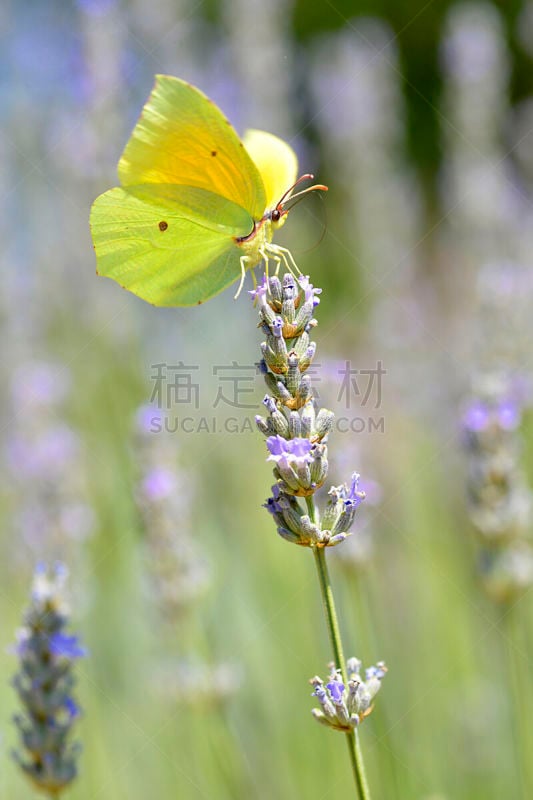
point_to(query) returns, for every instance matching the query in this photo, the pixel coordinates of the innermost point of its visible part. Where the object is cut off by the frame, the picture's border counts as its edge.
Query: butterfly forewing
(276, 162)
(183, 138)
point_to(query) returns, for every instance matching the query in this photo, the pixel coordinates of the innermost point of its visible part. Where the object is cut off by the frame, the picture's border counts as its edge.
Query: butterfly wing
(170, 245)
(183, 138)
(276, 162)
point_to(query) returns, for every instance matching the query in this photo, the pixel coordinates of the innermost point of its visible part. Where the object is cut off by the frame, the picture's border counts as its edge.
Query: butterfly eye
(275, 215)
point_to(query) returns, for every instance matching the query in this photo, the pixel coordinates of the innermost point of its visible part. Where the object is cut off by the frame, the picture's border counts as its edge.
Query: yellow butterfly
(196, 207)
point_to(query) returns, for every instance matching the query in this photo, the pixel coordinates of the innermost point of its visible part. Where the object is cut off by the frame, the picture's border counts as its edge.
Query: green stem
(352, 738)
(517, 658)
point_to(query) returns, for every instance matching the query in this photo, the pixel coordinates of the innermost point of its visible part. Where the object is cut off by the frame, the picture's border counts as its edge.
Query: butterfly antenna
(299, 195)
(286, 196)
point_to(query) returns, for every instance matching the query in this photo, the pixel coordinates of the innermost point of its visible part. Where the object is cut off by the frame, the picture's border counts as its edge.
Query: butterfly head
(278, 215)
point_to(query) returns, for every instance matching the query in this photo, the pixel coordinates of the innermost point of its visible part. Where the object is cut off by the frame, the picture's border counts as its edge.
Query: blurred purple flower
(73, 710)
(508, 415)
(47, 54)
(471, 51)
(64, 645)
(480, 415)
(46, 457)
(149, 419)
(39, 383)
(477, 417)
(373, 491)
(158, 484)
(96, 8)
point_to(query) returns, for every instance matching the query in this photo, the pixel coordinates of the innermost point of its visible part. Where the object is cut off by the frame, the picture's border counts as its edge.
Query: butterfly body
(196, 207)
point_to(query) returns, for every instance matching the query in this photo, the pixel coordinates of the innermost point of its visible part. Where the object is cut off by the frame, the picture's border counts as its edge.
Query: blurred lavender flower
(44, 684)
(355, 72)
(197, 684)
(502, 325)
(44, 461)
(507, 572)
(267, 103)
(178, 572)
(479, 189)
(524, 27)
(361, 116)
(499, 500)
(39, 383)
(165, 498)
(96, 7)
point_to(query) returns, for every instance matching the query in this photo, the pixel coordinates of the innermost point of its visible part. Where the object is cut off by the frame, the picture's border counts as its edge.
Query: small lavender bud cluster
(342, 707)
(179, 573)
(165, 495)
(296, 432)
(194, 683)
(500, 503)
(44, 684)
(45, 465)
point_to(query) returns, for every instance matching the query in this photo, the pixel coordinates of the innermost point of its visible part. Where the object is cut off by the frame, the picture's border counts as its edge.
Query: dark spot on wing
(213, 152)
(163, 225)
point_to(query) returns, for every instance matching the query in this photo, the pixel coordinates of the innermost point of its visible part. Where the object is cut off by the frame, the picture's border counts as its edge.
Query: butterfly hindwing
(170, 245)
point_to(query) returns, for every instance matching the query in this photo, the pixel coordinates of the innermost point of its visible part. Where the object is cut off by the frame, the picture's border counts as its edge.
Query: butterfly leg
(243, 260)
(264, 255)
(278, 260)
(279, 254)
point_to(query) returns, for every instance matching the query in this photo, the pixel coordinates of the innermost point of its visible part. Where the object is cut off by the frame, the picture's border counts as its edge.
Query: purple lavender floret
(72, 708)
(277, 327)
(260, 292)
(354, 497)
(336, 691)
(296, 449)
(378, 671)
(310, 291)
(272, 504)
(64, 646)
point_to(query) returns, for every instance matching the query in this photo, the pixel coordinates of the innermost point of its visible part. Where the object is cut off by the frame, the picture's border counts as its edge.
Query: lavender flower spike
(297, 433)
(44, 685)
